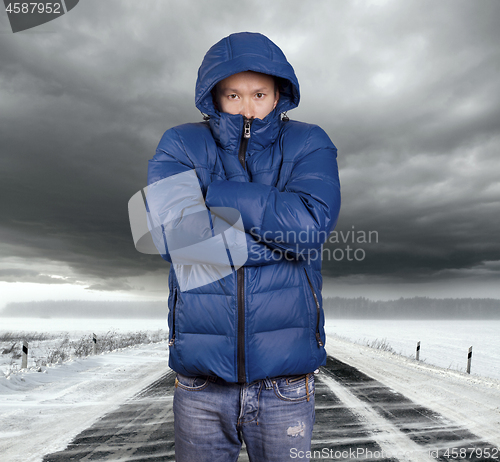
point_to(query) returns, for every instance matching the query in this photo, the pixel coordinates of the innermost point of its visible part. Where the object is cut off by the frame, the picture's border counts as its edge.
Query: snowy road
(357, 418)
(141, 429)
(370, 405)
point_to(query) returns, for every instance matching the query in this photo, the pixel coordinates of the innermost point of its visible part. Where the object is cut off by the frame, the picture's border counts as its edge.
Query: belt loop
(268, 384)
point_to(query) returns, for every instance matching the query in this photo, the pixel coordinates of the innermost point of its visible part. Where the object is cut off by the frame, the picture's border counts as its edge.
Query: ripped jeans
(274, 417)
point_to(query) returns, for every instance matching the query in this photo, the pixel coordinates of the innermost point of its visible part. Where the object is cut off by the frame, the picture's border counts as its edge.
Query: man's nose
(247, 109)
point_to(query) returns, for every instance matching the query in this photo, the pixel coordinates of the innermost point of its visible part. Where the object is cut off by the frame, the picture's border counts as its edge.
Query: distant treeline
(86, 309)
(412, 308)
(335, 307)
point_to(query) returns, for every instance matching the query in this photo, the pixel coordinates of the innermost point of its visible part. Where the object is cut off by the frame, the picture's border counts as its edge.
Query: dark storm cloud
(408, 91)
(417, 130)
(83, 118)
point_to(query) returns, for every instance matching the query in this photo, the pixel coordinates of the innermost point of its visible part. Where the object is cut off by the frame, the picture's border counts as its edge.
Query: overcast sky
(409, 92)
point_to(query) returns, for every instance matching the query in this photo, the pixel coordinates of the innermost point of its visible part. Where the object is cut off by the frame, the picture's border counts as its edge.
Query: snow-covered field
(442, 343)
(54, 337)
(49, 348)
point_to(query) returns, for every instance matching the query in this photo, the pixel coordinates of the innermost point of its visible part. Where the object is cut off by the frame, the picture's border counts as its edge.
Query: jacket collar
(227, 130)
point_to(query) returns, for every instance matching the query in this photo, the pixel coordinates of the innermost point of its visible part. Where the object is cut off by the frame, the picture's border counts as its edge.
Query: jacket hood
(245, 51)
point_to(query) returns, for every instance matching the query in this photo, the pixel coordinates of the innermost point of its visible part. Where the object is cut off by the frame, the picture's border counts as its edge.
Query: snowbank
(41, 412)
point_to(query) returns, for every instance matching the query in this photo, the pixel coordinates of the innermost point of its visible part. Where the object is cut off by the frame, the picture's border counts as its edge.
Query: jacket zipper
(172, 339)
(241, 324)
(244, 142)
(240, 274)
(318, 336)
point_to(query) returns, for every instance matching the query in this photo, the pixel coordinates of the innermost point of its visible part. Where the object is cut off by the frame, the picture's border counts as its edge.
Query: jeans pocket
(297, 388)
(191, 383)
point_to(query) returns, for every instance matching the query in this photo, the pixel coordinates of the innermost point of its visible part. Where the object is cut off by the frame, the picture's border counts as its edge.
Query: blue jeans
(274, 417)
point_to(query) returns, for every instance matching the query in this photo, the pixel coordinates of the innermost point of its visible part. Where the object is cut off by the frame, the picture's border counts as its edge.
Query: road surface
(357, 418)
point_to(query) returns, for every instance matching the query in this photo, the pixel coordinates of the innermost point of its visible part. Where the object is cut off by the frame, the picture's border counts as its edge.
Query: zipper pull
(246, 130)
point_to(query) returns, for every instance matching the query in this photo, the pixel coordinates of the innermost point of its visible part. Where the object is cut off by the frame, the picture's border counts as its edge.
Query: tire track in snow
(339, 431)
(428, 429)
(392, 443)
(353, 412)
(142, 429)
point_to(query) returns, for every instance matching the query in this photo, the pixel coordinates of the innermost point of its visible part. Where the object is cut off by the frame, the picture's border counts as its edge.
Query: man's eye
(259, 95)
(233, 96)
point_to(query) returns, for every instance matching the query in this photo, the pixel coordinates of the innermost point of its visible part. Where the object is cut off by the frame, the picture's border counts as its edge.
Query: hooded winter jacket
(265, 319)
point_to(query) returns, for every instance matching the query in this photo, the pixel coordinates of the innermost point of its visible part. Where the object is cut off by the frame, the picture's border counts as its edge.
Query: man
(245, 346)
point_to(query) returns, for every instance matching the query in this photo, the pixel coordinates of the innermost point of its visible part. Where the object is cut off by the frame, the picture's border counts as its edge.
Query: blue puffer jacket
(265, 319)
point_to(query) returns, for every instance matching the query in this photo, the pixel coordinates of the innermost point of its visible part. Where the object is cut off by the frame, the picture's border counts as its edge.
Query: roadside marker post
(24, 361)
(418, 351)
(469, 359)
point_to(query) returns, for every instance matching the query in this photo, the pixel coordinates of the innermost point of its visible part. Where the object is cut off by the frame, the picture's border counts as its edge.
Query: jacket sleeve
(171, 158)
(299, 218)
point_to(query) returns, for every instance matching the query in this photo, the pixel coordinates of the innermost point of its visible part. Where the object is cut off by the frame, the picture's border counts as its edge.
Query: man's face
(251, 94)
